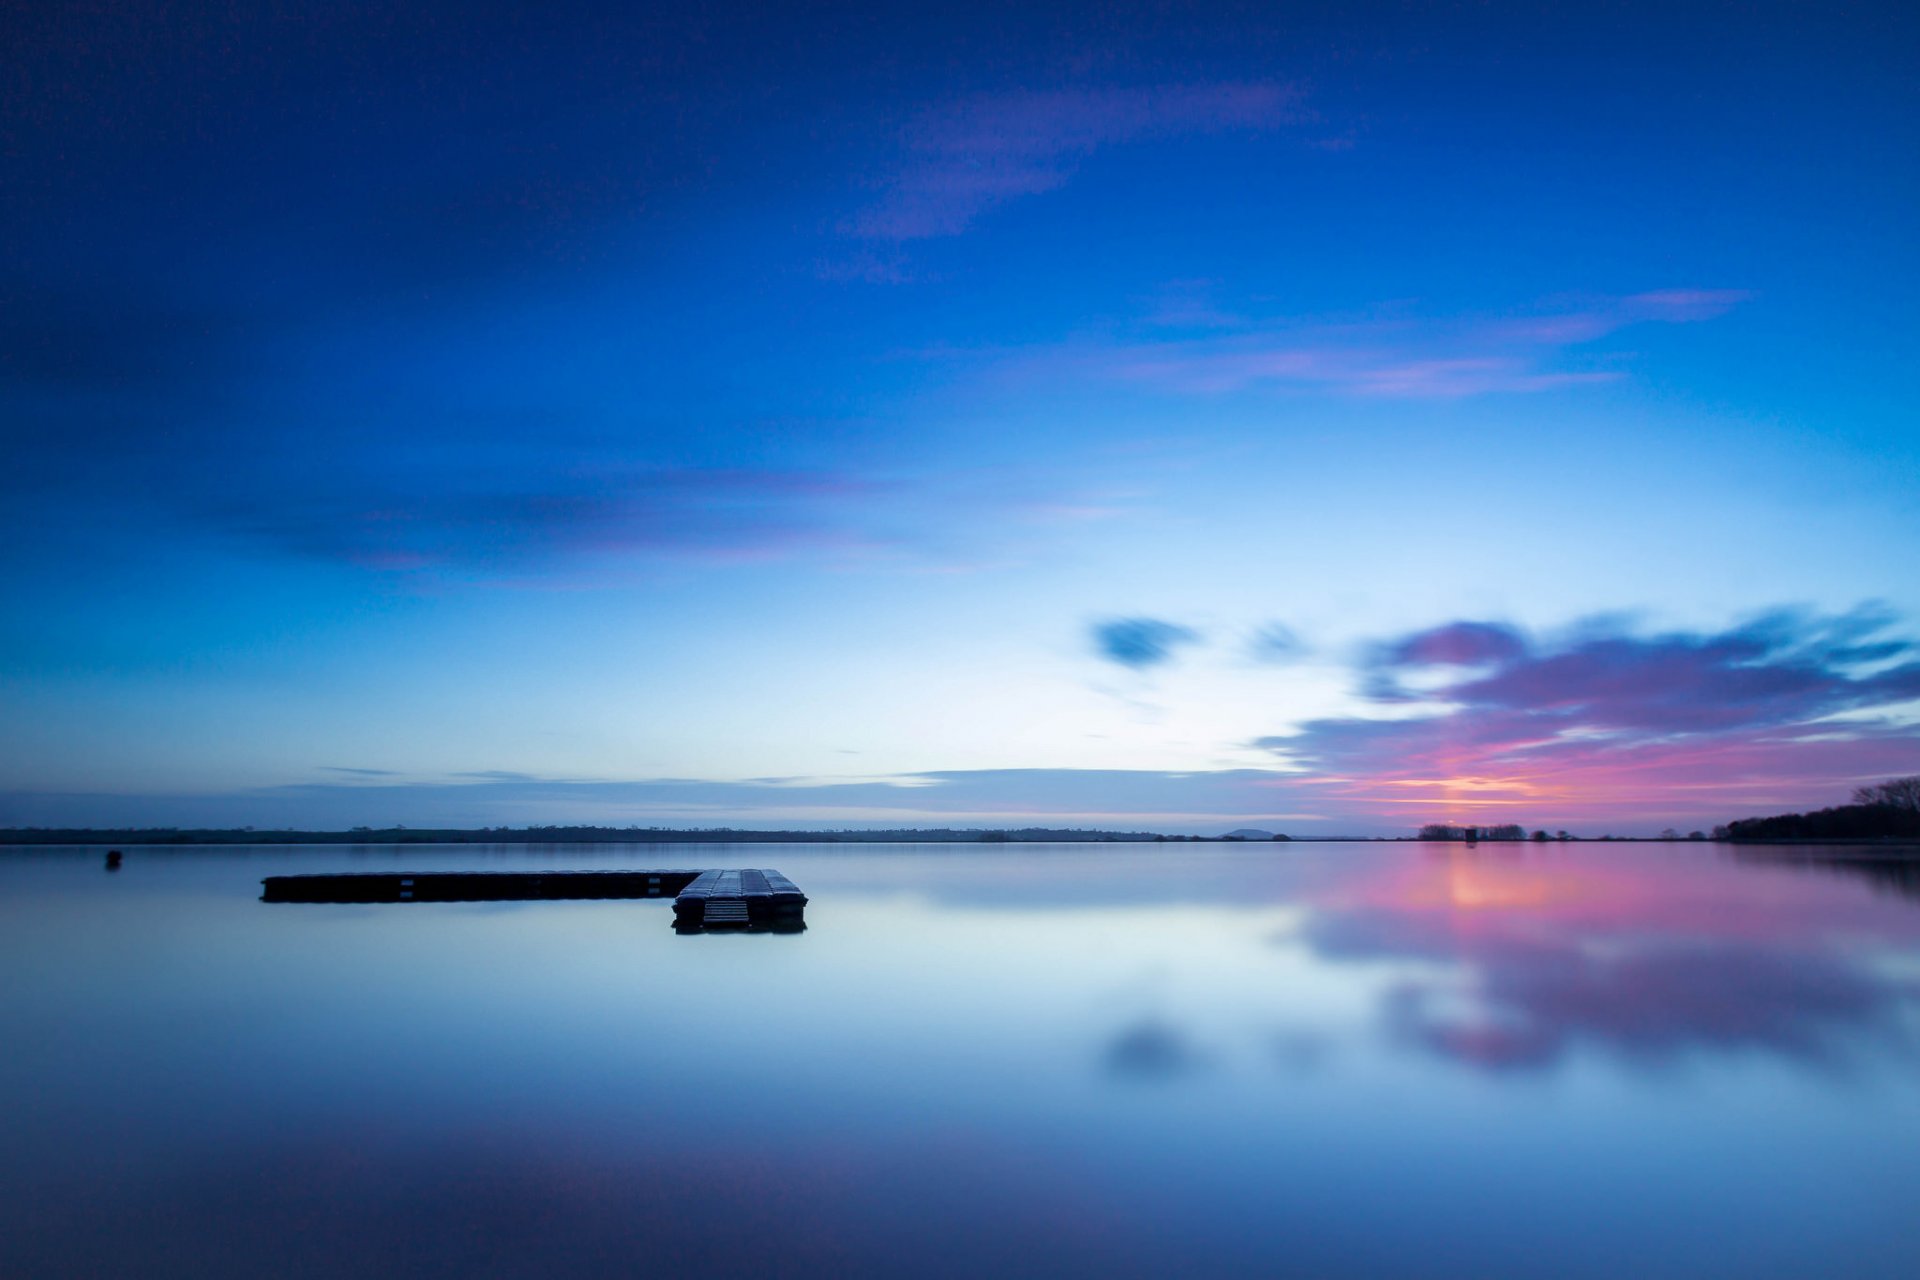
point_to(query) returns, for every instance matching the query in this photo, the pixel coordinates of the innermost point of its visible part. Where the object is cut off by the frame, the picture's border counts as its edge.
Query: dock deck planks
(749, 897)
(744, 898)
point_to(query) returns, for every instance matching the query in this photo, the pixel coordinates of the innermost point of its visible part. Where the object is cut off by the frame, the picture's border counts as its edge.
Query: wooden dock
(747, 898)
(740, 899)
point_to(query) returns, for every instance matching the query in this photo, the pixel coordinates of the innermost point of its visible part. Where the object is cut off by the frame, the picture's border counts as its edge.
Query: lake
(1211, 1060)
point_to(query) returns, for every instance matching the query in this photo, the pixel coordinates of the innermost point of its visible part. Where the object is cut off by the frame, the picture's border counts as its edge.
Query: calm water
(1323, 1060)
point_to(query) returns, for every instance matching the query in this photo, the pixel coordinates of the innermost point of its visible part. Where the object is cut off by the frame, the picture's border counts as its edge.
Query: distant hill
(1252, 833)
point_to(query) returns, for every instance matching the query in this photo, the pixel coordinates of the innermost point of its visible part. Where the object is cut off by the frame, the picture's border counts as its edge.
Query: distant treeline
(555, 835)
(1885, 811)
(1505, 831)
(1842, 822)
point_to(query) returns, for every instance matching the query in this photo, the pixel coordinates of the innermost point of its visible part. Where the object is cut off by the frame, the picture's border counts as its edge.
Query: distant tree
(1847, 822)
(1897, 793)
(1442, 831)
(1540, 836)
(1506, 831)
(1696, 835)
(1669, 834)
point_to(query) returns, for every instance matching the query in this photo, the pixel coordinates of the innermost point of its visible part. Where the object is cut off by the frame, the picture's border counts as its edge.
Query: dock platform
(750, 898)
(746, 898)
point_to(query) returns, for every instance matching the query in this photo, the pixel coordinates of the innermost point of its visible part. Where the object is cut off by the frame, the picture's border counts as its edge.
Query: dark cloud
(1517, 705)
(1457, 644)
(1140, 643)
(1779, 670)
(500, 518)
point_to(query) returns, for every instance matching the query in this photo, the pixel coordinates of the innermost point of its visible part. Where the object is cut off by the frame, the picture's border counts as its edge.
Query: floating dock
(749, 898)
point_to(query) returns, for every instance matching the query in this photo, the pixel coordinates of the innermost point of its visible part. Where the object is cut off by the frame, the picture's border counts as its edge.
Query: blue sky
(791, 415)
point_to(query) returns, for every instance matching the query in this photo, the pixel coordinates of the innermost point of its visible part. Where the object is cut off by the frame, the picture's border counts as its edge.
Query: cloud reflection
(1152, 1050)
(1523, 963)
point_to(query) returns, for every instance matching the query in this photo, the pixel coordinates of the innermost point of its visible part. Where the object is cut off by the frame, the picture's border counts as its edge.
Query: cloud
(359, 773)
(535, 513)
(1458, 644)
(1140, 643)
(1275, 642)
(1782, 668)
(1604, 717)
(1600, 727)
(1219, 367)
(983, 152)
(1565, 326)
(1397, 357)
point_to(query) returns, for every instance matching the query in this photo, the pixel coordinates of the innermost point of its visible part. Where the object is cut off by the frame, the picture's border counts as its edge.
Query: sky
(1328, 418)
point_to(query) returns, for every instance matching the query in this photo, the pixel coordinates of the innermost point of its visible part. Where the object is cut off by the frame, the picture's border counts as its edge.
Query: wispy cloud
(961, 160)
(499, 518)
(518, 516)
(1275, 642)
(1395, 357)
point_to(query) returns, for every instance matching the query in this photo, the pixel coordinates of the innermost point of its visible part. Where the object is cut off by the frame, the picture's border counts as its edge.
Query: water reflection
(1520, 961)
(1893, 870)
(1152, 1050)
(1218, 1061)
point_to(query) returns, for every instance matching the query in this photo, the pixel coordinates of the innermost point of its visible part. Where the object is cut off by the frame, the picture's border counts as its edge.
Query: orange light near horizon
(1465, 791)
(1475, 886)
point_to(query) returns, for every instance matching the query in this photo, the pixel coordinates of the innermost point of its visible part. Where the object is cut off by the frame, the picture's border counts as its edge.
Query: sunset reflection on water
(1220, 1060)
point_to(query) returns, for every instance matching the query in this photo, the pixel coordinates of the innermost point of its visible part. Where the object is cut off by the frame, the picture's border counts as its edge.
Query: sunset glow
(1330, 420)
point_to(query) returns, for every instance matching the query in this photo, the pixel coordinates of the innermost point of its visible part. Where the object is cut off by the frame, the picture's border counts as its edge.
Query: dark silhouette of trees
(1887, 810)
(1844, 822)
(1896, 793)
(1447, 831)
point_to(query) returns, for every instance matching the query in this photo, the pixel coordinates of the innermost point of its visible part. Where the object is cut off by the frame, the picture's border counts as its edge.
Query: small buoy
(113, 859)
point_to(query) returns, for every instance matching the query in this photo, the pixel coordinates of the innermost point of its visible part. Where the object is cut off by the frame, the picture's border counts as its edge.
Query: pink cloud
(1437, 359)
(1601, 317)
(1615, 726)
(1678, 306)
(1241, 364)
